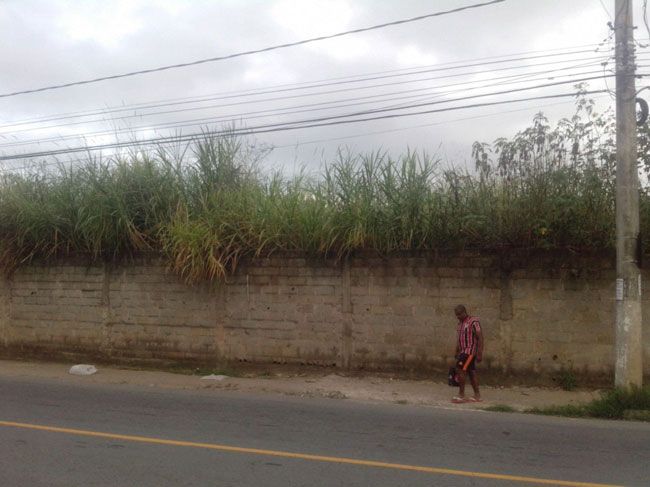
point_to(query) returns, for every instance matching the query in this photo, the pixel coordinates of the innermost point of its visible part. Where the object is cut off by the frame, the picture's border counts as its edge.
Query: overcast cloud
(44, 42)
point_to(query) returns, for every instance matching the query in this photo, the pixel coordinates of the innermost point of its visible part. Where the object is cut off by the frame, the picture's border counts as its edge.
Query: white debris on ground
(375, 388)
(82, 369)
(214, 377)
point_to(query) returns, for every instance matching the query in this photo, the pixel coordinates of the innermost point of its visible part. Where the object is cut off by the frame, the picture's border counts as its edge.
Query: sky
(49, 42)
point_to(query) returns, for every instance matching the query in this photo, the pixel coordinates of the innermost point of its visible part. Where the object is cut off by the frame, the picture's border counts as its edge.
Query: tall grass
(98, 208)
(208, 207)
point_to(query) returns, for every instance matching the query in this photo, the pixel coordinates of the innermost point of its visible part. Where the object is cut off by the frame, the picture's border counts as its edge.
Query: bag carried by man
(452, 377)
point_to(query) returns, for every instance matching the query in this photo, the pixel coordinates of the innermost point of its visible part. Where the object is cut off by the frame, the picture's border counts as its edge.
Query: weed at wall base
(633, 403)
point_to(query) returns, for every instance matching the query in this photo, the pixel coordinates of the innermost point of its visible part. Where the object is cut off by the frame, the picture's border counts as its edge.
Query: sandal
(458, 400)
(474, 399)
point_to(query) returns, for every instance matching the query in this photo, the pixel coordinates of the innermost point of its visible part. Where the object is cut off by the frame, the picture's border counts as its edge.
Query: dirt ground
(373, 388)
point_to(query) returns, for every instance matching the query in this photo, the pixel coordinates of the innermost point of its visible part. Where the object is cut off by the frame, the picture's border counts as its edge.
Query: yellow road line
(300, 456)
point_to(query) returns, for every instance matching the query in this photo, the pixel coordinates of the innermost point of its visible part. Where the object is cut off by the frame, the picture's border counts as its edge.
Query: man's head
(461, 312)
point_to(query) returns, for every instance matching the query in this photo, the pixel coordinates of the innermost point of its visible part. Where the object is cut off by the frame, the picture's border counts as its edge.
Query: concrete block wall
(284, 309)
(56, 307)
(402, 309)
(540, 312)
(152, 314)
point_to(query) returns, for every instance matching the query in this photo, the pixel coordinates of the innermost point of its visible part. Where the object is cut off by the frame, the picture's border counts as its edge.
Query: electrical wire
(427, 88)
(189, 99)
(301, 124)
(243, 117)
(299, 144)
(404, 71)
(606, 9)
(411, 127)
(246, 53)
(284, 97)
(157, 149)
(230, 95)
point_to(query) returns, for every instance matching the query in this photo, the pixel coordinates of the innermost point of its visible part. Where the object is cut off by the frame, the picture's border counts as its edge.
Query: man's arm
(479, 337)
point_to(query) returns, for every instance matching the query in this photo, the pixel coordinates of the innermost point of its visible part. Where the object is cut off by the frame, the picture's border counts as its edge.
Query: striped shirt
(467, 335)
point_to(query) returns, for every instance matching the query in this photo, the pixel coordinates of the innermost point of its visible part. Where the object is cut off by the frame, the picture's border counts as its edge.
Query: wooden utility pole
(629, 370)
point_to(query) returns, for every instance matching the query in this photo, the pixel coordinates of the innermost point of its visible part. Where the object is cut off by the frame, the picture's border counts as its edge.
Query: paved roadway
(273, 438)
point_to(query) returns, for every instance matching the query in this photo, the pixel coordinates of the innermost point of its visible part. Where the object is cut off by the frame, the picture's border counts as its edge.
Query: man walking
(469, 350)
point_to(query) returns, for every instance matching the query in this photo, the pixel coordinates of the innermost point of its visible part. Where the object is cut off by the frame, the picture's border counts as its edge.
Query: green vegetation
(500, 408)
(631, 403)
(207, 207)
(566, 379)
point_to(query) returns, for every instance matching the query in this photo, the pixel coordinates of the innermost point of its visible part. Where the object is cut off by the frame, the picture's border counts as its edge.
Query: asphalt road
(51, 435)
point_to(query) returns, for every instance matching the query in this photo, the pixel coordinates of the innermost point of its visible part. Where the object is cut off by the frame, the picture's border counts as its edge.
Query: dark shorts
(466, 362)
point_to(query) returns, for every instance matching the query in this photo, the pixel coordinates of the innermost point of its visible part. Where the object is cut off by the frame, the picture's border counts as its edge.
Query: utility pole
(629, 369)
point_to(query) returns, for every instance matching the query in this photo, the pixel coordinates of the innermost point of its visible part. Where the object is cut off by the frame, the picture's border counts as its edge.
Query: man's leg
(461, 383)
(473, 378)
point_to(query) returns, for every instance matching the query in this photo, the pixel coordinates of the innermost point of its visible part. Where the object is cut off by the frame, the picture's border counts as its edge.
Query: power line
(418, 105)
(606, 9)
(301, 124)
(198, 98)
(130, 106)
(411, 127)
(256, 51)
(311, 85)
(422, 104)
(428, 88)
(365, 134)
(287, 97)
(311, 107)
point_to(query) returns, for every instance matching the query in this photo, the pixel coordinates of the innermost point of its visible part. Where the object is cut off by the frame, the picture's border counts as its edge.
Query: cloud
(321, 18)
(412, 55)
(109, 24)
(312, 18)
(55, 41)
